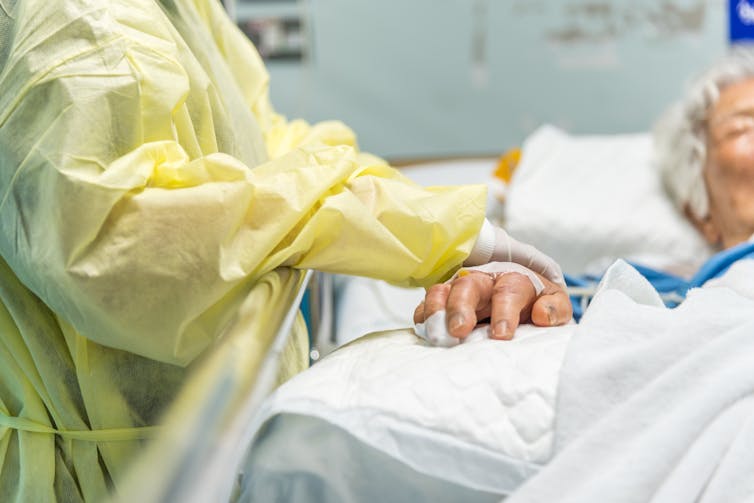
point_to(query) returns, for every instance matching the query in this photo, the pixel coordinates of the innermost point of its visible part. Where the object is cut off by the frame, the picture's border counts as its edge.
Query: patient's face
(729, 170)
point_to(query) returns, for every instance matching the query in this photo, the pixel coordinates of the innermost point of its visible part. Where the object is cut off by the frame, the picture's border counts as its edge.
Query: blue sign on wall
(741, 15)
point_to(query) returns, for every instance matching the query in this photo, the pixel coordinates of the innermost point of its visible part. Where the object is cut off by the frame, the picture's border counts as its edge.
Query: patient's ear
(704, 225)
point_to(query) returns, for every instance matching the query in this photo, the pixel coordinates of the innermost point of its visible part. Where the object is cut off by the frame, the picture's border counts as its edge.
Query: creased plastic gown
(146, 185)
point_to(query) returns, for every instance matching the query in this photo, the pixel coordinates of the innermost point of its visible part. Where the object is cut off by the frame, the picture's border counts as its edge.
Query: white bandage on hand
(434, 330)
(496, 245)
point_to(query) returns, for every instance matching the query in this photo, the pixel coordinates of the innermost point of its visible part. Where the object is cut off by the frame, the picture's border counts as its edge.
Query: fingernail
(502, 331)
(455, 322)
(551, 315)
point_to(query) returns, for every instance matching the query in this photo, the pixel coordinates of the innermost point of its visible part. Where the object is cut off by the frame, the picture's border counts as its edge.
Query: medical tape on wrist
(495, 269)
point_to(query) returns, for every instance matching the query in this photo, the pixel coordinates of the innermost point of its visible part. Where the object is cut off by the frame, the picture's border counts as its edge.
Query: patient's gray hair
(680, 136)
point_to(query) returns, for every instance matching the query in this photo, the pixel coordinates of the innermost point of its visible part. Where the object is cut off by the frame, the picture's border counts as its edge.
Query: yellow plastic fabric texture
(146, 184)
(135, 168)
(212, 405)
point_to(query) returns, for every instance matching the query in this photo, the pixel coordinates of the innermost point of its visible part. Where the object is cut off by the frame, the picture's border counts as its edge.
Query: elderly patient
(704, 149)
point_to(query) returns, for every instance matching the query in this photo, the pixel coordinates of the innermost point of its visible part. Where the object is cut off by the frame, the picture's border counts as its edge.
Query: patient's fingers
(512, 298)
(419, 313)
(508, 299)
(552, 307)
(469, 295)
(435, 300)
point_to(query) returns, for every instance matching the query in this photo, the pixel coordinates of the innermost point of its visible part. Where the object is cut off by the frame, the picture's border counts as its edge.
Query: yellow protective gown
(146, 185)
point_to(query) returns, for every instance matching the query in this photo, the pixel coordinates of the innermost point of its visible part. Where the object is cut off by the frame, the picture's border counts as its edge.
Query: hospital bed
(386, 418)
(584, 200)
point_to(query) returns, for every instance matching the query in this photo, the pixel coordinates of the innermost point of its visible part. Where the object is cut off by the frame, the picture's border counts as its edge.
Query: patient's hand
(507, 299)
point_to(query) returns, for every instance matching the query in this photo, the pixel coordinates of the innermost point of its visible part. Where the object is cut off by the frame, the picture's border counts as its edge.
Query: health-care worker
(147, 188)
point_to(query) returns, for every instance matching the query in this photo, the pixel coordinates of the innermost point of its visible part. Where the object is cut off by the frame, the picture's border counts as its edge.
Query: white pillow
(587, 200)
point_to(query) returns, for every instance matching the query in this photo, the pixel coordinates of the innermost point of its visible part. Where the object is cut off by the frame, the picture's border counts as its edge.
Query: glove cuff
(481, 253)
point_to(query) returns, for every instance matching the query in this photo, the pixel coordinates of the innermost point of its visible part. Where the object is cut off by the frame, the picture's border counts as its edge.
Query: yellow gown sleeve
(145, 185)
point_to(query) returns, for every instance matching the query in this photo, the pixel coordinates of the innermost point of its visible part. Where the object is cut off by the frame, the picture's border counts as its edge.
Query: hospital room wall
(436, 78)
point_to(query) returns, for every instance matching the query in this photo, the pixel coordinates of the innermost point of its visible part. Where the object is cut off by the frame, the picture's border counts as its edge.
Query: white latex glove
(496, 245)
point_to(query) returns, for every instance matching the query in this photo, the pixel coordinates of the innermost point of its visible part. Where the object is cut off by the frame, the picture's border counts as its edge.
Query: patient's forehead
(735, 99)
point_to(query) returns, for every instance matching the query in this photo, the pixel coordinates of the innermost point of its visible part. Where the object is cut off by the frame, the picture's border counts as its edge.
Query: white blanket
(656, 404)
(653, 404)
(389, 416)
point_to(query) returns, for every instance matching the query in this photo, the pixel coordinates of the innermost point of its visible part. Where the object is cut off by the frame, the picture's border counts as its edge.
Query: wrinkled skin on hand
(508, 299)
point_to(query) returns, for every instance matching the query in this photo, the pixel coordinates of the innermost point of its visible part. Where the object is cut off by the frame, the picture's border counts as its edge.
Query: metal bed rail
(204, 438)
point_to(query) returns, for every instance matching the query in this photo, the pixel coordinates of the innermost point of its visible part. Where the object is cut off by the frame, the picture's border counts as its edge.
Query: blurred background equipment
(426, 79)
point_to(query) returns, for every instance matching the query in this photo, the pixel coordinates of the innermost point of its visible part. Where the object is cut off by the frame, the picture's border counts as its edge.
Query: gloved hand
(496, 245)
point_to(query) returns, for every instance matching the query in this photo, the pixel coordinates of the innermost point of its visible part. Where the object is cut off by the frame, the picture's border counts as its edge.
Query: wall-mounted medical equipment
(741, 21)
